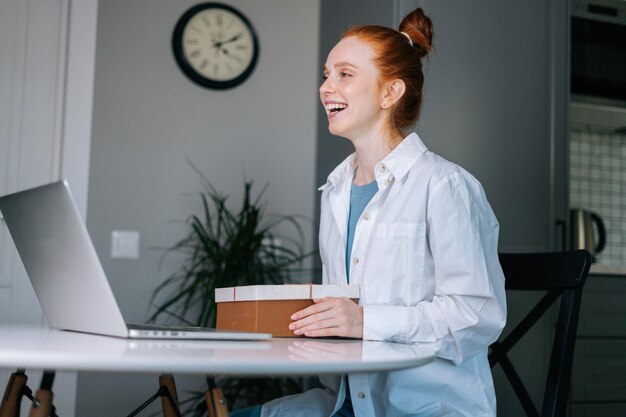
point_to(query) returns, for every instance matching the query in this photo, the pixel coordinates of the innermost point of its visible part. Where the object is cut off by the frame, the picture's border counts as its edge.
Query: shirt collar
(343, 170)
(398, 162)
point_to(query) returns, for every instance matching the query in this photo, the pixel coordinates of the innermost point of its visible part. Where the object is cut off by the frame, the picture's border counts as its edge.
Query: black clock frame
(186, 67)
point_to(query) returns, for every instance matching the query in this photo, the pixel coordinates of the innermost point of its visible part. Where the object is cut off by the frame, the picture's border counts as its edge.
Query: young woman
(413, 230)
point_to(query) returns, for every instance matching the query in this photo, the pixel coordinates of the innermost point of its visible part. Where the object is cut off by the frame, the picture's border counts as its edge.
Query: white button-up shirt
(425, 256)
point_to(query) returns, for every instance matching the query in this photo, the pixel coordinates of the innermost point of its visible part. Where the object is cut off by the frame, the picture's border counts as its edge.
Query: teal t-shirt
(360, 195)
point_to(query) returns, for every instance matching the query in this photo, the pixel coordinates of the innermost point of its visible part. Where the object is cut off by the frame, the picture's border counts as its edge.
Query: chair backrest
(558, 274)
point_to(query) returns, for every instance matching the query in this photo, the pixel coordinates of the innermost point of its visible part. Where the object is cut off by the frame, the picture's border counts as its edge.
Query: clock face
(215, 45)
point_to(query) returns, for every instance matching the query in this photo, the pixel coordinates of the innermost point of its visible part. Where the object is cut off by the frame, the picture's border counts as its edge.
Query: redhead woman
(414, 230)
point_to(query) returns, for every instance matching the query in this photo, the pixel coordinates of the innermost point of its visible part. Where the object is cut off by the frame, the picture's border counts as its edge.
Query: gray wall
(495, 100)
(148, 117)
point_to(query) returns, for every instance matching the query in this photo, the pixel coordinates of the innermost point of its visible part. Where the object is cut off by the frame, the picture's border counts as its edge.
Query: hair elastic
(408, 37)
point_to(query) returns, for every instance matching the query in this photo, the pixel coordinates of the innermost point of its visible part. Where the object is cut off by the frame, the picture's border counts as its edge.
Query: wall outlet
(124, 244)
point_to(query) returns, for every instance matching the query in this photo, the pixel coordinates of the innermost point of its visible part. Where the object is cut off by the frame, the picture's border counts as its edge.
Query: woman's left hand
(329, 316)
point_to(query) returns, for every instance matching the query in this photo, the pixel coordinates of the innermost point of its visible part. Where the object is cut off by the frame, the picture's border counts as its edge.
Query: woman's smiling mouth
(334, 107)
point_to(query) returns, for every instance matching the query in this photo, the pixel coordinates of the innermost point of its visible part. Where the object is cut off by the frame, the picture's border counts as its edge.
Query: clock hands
(229, 55)
(233, 39)
(219, 46)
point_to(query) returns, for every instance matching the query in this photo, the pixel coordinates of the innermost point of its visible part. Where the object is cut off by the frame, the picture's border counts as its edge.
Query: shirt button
(383, 168)
(387, 182)
(361, 395)
(355, 260)
(366, 216)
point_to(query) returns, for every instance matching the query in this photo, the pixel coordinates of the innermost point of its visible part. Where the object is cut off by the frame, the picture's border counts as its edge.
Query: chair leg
(518, 387)
(42, 407)
(215, 401)
(169, 399)
(42, 403)
(12, 399)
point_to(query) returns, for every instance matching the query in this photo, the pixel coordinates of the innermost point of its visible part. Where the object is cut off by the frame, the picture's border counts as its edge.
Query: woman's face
(352, 91)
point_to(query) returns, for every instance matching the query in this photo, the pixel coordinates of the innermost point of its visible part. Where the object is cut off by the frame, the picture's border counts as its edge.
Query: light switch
(125, 244)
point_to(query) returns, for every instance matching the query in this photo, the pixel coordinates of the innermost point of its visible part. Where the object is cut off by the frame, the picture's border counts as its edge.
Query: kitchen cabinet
(599, 372)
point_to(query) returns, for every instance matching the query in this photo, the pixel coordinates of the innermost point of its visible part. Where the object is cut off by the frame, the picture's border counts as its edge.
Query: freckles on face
(351, 92)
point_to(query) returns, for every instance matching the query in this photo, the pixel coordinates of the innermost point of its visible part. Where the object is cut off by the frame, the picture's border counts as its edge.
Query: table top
(23, 347)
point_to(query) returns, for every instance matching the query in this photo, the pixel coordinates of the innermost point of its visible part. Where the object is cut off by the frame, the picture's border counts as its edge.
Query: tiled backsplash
(598, 183)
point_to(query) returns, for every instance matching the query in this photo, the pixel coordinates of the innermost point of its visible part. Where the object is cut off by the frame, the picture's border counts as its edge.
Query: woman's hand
(329, 316)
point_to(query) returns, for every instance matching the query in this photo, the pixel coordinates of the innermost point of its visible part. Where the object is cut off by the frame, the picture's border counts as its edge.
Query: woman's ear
(393, 92)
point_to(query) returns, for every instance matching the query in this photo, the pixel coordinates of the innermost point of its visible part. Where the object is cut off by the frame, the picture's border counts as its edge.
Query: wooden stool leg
(215, 401)
(12, 399)
(42, 404)
(169, 405)
(42, 407)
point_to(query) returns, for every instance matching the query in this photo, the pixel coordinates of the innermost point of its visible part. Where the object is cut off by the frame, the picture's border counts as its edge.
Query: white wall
(148, 117)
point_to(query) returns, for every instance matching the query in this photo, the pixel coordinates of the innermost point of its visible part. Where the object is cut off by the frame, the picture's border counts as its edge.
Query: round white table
(39, 348)
(35, 348)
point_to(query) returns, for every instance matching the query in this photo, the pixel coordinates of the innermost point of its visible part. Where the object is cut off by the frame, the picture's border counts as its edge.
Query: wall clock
(215, 45)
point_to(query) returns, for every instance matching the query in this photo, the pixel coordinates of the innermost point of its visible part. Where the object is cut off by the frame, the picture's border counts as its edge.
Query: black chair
(559, 274)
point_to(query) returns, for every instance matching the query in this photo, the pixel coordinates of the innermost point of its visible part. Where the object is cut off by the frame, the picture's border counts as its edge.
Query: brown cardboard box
(268, 308)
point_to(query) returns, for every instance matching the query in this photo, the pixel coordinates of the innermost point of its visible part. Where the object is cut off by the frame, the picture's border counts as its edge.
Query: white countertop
(599, 269)
(37, 348)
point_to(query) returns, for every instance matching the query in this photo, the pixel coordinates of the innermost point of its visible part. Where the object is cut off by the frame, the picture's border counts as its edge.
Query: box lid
(285, 292)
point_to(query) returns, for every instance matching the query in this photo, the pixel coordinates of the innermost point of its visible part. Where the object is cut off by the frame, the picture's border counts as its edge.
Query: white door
(46, 88)
(32, 46)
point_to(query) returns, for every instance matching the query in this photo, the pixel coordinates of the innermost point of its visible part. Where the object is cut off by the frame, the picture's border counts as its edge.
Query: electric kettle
(582, 234)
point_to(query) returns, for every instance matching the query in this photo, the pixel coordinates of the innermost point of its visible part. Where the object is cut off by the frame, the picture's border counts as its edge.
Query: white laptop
(65, 271)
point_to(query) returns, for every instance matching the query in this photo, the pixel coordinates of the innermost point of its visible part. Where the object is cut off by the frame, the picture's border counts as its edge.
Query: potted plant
(224, 248)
